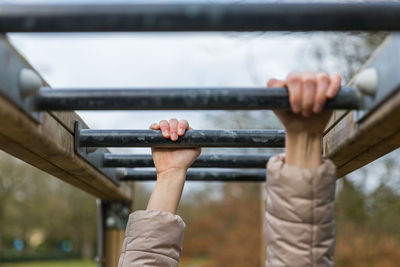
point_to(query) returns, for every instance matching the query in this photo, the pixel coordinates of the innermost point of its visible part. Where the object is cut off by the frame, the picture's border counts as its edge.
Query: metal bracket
(94, 156)
(11, 66)
(387, 66)
(116, 215)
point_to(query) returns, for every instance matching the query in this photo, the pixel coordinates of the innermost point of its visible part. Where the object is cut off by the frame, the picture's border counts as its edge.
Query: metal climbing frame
(212, 160)
(180, 99)
(257, 175)
(378, 16)
(32, 130)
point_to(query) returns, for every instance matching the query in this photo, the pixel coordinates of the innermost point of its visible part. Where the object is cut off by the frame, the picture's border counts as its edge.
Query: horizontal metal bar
(202, 175)
(201, 17)
(180, 99)
(192, 138)
(213, 161)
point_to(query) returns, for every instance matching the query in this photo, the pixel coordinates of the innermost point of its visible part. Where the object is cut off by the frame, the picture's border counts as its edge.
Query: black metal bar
(180, 99)
(213, 161)
(192, 138)
(202, 175)
(369, 16)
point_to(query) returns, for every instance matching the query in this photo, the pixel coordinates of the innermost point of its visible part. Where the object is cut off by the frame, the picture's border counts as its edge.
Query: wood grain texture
(113, 240)
(49, 146)
(352, 144)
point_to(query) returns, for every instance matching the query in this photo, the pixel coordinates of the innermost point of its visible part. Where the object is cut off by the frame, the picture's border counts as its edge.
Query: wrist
(172, 174)
(303, 149)
(168, 189)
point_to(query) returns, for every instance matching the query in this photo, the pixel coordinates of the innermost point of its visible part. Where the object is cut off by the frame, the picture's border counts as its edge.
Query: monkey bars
(32, 129)
(370, 16)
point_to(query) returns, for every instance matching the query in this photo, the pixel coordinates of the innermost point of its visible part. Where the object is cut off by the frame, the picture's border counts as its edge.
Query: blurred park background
(45, 222)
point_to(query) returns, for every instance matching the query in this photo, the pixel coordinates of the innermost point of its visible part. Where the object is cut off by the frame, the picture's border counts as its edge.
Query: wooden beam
(49, 146)
(351, 144)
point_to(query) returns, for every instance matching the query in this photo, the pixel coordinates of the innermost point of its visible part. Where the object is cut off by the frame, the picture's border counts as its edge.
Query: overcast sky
(124, 60)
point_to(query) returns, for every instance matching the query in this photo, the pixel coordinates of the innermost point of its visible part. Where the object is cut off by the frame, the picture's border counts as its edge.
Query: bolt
(110, 222)
(367, 81)
(29, 83)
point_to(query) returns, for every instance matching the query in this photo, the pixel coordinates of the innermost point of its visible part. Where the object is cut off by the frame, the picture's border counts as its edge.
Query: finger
(155, 126)
(323, 82)
(164, 126)
(334, 86)
(276, 83)
(173, 128)
(309, 84)
(183, 125)
(294, 87)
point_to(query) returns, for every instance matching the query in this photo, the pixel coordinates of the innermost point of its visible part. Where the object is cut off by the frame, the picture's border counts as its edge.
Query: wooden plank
(49, 146)
(113, 240)
(338, 115)
(352, 144)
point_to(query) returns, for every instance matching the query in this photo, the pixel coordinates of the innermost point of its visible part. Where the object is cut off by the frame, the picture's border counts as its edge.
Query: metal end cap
(367, 81)
(29, 82)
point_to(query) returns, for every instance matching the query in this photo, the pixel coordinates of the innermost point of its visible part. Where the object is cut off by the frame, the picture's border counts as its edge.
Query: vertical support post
(113, 217)
(113, 244)
(263, 247)
(112, 224)
(100, 233)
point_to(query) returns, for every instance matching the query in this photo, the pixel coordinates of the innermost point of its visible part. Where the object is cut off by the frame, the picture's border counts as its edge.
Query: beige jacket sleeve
(299, 219)
(152, 238)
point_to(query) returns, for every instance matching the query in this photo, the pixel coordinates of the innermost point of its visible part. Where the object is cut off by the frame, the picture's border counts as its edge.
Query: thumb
(276, 83)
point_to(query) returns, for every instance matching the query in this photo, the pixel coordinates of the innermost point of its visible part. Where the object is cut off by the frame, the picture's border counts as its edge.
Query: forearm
(168, 190)
(303, 149)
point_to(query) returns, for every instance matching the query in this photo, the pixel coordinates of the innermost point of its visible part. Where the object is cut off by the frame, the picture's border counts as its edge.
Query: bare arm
(171, 166)
(154, 237)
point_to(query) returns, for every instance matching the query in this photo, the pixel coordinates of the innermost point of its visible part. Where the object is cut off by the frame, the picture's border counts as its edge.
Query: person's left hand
(167, 159)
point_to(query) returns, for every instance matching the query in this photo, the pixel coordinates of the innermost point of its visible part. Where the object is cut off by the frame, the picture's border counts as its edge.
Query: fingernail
(330, 93)
(165, 133)
(296, 108)
(317, 108)
(306, 113)
(174, 136)
(180, 131)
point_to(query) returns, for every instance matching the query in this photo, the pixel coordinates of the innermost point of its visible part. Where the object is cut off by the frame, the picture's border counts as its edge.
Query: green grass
(69, 263)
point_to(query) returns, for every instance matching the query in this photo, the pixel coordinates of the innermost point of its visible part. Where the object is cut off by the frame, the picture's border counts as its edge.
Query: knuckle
(293, 78)
(322, 76)
(163, 123)
(309, 84)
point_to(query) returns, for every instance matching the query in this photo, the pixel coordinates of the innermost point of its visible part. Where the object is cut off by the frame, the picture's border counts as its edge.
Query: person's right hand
(308, 93)
(306, 121)
(167, 159)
